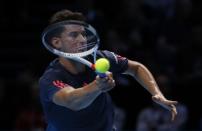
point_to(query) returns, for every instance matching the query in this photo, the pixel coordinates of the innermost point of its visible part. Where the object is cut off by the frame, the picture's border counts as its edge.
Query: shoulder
(48, 76)
(104, 53)
(52, 72)
(110, 55)
(118, 63)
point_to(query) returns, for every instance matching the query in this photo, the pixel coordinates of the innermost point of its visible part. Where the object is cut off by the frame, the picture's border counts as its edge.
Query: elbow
(73, 108)
(69, 103)
(134, 68)
(74, 105)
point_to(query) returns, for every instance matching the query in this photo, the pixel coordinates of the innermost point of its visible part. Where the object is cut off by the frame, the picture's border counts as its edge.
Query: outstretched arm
(145, 78)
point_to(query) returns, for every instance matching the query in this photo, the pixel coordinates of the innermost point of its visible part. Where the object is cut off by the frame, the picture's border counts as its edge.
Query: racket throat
(93, 67)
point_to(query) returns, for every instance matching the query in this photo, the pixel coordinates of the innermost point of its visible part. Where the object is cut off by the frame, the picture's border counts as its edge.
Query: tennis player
(73, 97)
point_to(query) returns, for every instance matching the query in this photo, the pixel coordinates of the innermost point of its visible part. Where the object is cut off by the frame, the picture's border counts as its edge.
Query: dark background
(166, 36)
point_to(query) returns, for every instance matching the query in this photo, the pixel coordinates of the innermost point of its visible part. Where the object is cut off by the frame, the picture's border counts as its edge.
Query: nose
(81, 42)
(81, 38)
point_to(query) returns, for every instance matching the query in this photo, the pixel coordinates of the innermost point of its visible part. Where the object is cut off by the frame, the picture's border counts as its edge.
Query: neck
(72, 66)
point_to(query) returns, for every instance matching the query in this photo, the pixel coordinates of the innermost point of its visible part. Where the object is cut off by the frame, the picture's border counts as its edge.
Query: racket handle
(101, 75)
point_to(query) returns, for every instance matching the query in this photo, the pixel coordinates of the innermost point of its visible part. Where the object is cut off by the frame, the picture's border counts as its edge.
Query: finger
(113, 83)
(98, 78)
(173, 116)
(173, 112)
(168, 102)
(173, 102)
(109, 74)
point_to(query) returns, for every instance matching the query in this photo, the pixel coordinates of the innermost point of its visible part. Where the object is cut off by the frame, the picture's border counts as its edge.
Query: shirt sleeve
(118, 64)
(49, 85)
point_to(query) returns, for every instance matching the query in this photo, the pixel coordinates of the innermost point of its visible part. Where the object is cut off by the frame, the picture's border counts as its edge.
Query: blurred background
(164, 35)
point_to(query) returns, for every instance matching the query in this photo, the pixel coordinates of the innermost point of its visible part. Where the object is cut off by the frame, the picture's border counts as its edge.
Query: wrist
(97, 86)
(159, 94)
(94, 87)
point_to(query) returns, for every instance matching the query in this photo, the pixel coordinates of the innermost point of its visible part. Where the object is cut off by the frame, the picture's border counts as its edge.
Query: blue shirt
(96, 117)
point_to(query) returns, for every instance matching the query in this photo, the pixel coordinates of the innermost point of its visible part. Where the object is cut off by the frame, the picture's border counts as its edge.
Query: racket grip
(101, 75)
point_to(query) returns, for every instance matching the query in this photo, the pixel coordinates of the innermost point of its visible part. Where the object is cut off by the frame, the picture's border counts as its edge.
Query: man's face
(73, 39)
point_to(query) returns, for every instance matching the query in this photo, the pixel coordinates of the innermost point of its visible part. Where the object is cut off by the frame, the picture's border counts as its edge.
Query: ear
(56, 42)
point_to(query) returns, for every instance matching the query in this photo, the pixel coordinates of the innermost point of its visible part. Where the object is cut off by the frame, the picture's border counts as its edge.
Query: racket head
(71, 39)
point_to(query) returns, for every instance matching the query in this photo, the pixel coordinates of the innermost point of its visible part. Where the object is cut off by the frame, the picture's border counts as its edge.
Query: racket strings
(92, 44)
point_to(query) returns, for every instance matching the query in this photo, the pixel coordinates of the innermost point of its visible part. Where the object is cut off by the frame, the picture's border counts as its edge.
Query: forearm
(81, 98)
(144, 77)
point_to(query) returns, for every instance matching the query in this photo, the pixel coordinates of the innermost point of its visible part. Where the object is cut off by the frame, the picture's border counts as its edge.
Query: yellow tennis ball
(102, 65)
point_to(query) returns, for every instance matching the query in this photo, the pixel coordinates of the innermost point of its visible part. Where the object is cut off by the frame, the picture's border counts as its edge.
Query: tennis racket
(73, 40)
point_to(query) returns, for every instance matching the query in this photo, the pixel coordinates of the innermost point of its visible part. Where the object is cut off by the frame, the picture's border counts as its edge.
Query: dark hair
(62, 16)
(66, 15)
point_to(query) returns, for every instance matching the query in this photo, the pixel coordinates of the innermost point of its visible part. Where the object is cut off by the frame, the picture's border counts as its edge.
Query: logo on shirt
(117, 57)
(120, 57)
(59, 84)
(85, 84)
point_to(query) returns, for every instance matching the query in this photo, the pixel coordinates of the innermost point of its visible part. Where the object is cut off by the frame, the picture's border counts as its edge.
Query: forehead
(73, 28)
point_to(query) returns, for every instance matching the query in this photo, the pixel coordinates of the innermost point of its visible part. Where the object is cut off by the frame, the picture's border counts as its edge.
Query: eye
(73, 34)
(76, 34)
(83, 33)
